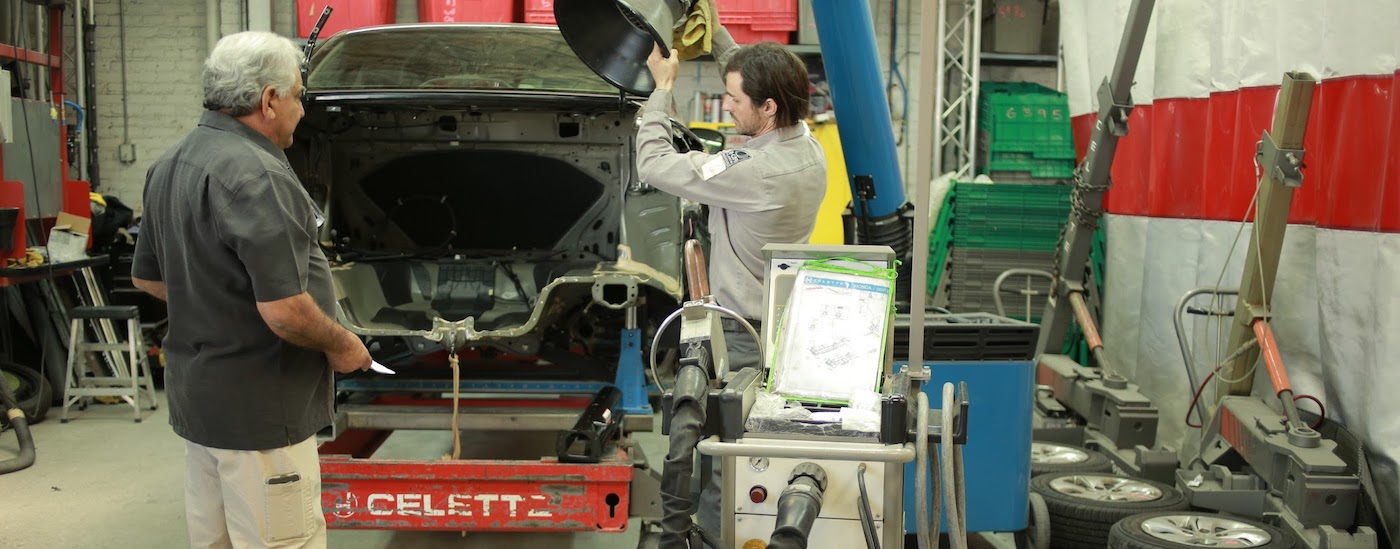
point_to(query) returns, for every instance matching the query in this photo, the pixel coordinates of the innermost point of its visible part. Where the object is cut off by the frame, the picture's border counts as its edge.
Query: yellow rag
(693, 37)
(31, 258)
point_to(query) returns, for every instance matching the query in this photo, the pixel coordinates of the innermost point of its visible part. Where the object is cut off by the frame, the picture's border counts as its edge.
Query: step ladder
(130, 376)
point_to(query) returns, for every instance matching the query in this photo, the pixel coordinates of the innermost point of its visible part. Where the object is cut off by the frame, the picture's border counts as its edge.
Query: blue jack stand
(630, 378)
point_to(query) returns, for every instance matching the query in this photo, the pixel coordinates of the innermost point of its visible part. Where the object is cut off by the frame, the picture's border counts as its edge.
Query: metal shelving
(1019, 59)
(955, 88)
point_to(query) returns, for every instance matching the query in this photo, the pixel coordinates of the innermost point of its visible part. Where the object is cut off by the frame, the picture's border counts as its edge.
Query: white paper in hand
(374, 365)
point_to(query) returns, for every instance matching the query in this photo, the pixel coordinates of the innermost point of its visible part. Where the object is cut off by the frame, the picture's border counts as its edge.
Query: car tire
(1052, 457)
(31, 390)
(1083, 507)
(1195, 530)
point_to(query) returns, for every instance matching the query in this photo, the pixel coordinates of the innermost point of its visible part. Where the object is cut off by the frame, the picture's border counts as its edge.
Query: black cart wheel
(31, 389)
(1190, 530)
(1050, 457)
(1038, 529)
(1084, 506)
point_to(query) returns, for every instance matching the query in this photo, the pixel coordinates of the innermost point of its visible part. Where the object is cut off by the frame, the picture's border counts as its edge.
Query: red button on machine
(757, 494)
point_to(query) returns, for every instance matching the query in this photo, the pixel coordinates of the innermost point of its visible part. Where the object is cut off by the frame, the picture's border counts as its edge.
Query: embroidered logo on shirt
(722, 161)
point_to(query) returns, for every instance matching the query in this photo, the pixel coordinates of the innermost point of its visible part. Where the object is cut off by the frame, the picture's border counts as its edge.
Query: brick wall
(165, 45)
(165, 48)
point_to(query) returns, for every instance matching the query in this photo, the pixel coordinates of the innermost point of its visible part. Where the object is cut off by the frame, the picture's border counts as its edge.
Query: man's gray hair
(242, 65)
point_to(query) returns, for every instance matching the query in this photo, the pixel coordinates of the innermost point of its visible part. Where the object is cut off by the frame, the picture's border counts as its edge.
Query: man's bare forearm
(153, 287)
(298, 320)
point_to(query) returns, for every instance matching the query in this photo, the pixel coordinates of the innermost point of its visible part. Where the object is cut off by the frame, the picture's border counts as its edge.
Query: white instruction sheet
(831, 341)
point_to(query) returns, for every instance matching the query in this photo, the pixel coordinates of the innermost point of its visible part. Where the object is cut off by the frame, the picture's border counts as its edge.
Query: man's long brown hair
(770, 71)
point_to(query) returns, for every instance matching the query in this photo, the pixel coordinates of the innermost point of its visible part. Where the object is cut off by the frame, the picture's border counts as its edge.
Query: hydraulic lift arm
(1091, 181)
(1254, 461)
(1118, 418)
(1280, 156)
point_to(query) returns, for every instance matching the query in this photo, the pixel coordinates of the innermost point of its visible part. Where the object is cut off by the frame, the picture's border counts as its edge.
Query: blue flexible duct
(862, 111)
(79, 109)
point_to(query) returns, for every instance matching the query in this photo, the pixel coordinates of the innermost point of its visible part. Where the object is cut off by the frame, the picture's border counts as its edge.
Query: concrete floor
(104, 481)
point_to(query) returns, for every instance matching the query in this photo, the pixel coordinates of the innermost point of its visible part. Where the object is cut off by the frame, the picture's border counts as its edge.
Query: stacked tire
(1084, 507)
(1053, 457)
(1195, 530)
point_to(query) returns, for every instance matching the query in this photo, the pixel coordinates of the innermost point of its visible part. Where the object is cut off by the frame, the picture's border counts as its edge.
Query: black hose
(687, 420)
(699, 536)
(798, 507)
(20, 423)
(867, 518)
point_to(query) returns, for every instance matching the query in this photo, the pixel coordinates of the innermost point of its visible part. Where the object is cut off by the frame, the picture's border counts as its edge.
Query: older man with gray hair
(228, 241)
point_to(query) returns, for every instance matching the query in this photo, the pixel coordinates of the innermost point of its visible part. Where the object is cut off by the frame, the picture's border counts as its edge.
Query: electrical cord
(1321, 410)
(1225, 266)
(1196, 397)
(922, 480)
(519, 288)
(951, 462)
(867, 518)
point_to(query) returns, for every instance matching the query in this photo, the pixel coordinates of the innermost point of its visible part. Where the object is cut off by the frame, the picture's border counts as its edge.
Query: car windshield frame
(453, 57)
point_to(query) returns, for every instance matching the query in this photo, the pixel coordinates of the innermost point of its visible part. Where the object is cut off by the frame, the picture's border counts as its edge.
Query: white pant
(257, 499)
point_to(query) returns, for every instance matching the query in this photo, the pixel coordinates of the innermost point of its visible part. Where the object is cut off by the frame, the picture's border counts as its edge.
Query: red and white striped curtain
(1184, 177)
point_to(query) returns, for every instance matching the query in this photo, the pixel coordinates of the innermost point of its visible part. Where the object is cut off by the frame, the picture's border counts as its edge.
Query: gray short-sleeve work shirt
(227, 224)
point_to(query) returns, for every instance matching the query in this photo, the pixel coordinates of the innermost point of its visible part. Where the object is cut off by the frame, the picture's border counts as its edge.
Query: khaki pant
(260, 498)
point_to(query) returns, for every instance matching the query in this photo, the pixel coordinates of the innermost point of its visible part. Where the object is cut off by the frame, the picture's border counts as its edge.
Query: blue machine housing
(997, 457)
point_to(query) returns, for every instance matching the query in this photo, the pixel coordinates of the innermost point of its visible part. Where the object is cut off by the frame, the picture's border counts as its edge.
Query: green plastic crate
(1030, 243)
(1042, 146)
(992, 191)
(1037, 168)
(1008, 216)
(939, 242)
(1021, 116)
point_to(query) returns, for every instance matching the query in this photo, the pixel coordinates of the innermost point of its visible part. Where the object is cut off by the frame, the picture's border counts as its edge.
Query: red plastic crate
(748, 21)
(346, 15)
(539, 12)
(467, 11)
(752, 21)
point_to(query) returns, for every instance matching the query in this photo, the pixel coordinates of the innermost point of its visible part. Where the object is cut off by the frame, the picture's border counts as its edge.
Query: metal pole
(260, 15)
(1092, 179)
(923, 177)
(1266, 241)
(972, 55)
(213, 23)
(940, 86)
(81, 88)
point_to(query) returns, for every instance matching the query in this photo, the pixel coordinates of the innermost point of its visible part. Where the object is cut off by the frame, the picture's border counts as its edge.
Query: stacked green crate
(998, 227)
(994, 227)
(940, 239)
(1009, 216)
(1024, 132)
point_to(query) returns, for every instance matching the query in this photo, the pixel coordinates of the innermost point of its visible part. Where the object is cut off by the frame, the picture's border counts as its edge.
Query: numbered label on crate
(1033, 113)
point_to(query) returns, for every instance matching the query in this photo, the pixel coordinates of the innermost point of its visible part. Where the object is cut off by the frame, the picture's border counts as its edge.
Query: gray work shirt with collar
(767, 192)
(226, 224)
